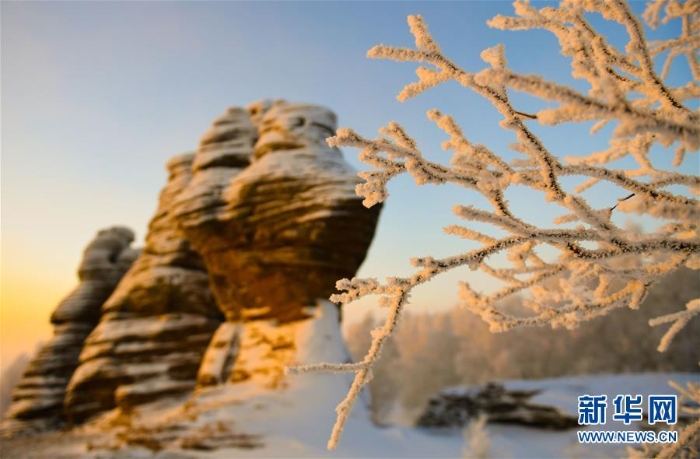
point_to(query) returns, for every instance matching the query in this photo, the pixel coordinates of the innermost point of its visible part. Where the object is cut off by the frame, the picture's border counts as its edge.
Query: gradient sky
(96, 96)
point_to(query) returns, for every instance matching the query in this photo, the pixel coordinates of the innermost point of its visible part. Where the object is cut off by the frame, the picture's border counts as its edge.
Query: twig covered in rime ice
(600, 266)
(690, 400)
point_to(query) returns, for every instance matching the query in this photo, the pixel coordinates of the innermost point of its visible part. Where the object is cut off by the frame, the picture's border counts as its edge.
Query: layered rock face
(275, 235)
(38, 398)
(298, 223)
(155, 326)
(224, 151)
(245, 415)
(288, 226)
(249, 237)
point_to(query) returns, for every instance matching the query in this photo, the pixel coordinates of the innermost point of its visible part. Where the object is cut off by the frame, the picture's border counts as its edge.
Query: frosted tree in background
(600, 265)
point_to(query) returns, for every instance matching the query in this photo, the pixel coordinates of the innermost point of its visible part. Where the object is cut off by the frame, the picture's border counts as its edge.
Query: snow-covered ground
(297, 421)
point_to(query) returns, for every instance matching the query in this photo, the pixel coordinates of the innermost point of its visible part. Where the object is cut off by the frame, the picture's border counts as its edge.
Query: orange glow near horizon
(27, 300)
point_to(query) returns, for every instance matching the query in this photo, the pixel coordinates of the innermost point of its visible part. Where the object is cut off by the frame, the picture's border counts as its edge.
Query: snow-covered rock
(156, 325)
(256, 410)
(249, 238)
(276, 235)
(298, 224)
(224, 150)
(38, 398)
(248, 421)
(280, 232)
(456, 408)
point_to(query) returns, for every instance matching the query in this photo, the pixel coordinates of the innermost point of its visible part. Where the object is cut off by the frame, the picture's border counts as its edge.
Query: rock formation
(249, 238)
(455, 408)
(155, 326)
(38, 398)
(245, 415)
(275, 235)
(224, 151)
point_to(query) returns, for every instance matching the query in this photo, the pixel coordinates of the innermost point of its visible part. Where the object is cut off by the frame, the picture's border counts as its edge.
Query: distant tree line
(431, 351)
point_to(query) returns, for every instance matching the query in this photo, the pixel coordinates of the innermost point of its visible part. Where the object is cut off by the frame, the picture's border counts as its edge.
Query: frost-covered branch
(679, 319)
(599, 265)
(688, 444)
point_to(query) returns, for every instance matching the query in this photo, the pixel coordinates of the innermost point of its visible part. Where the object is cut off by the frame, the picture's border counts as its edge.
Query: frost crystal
(600, 266)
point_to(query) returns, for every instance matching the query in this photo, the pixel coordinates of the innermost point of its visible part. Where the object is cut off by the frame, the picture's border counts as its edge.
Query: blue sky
(96, 96)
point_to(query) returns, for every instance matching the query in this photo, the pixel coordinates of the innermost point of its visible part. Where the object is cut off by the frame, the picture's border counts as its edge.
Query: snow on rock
(246, 420)
(250, 235)
(156, 325)
(220, 355)
(453, 408)
(38, 398)
(275, 235)
(224, 150)
(247, 415)
(288, 226)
